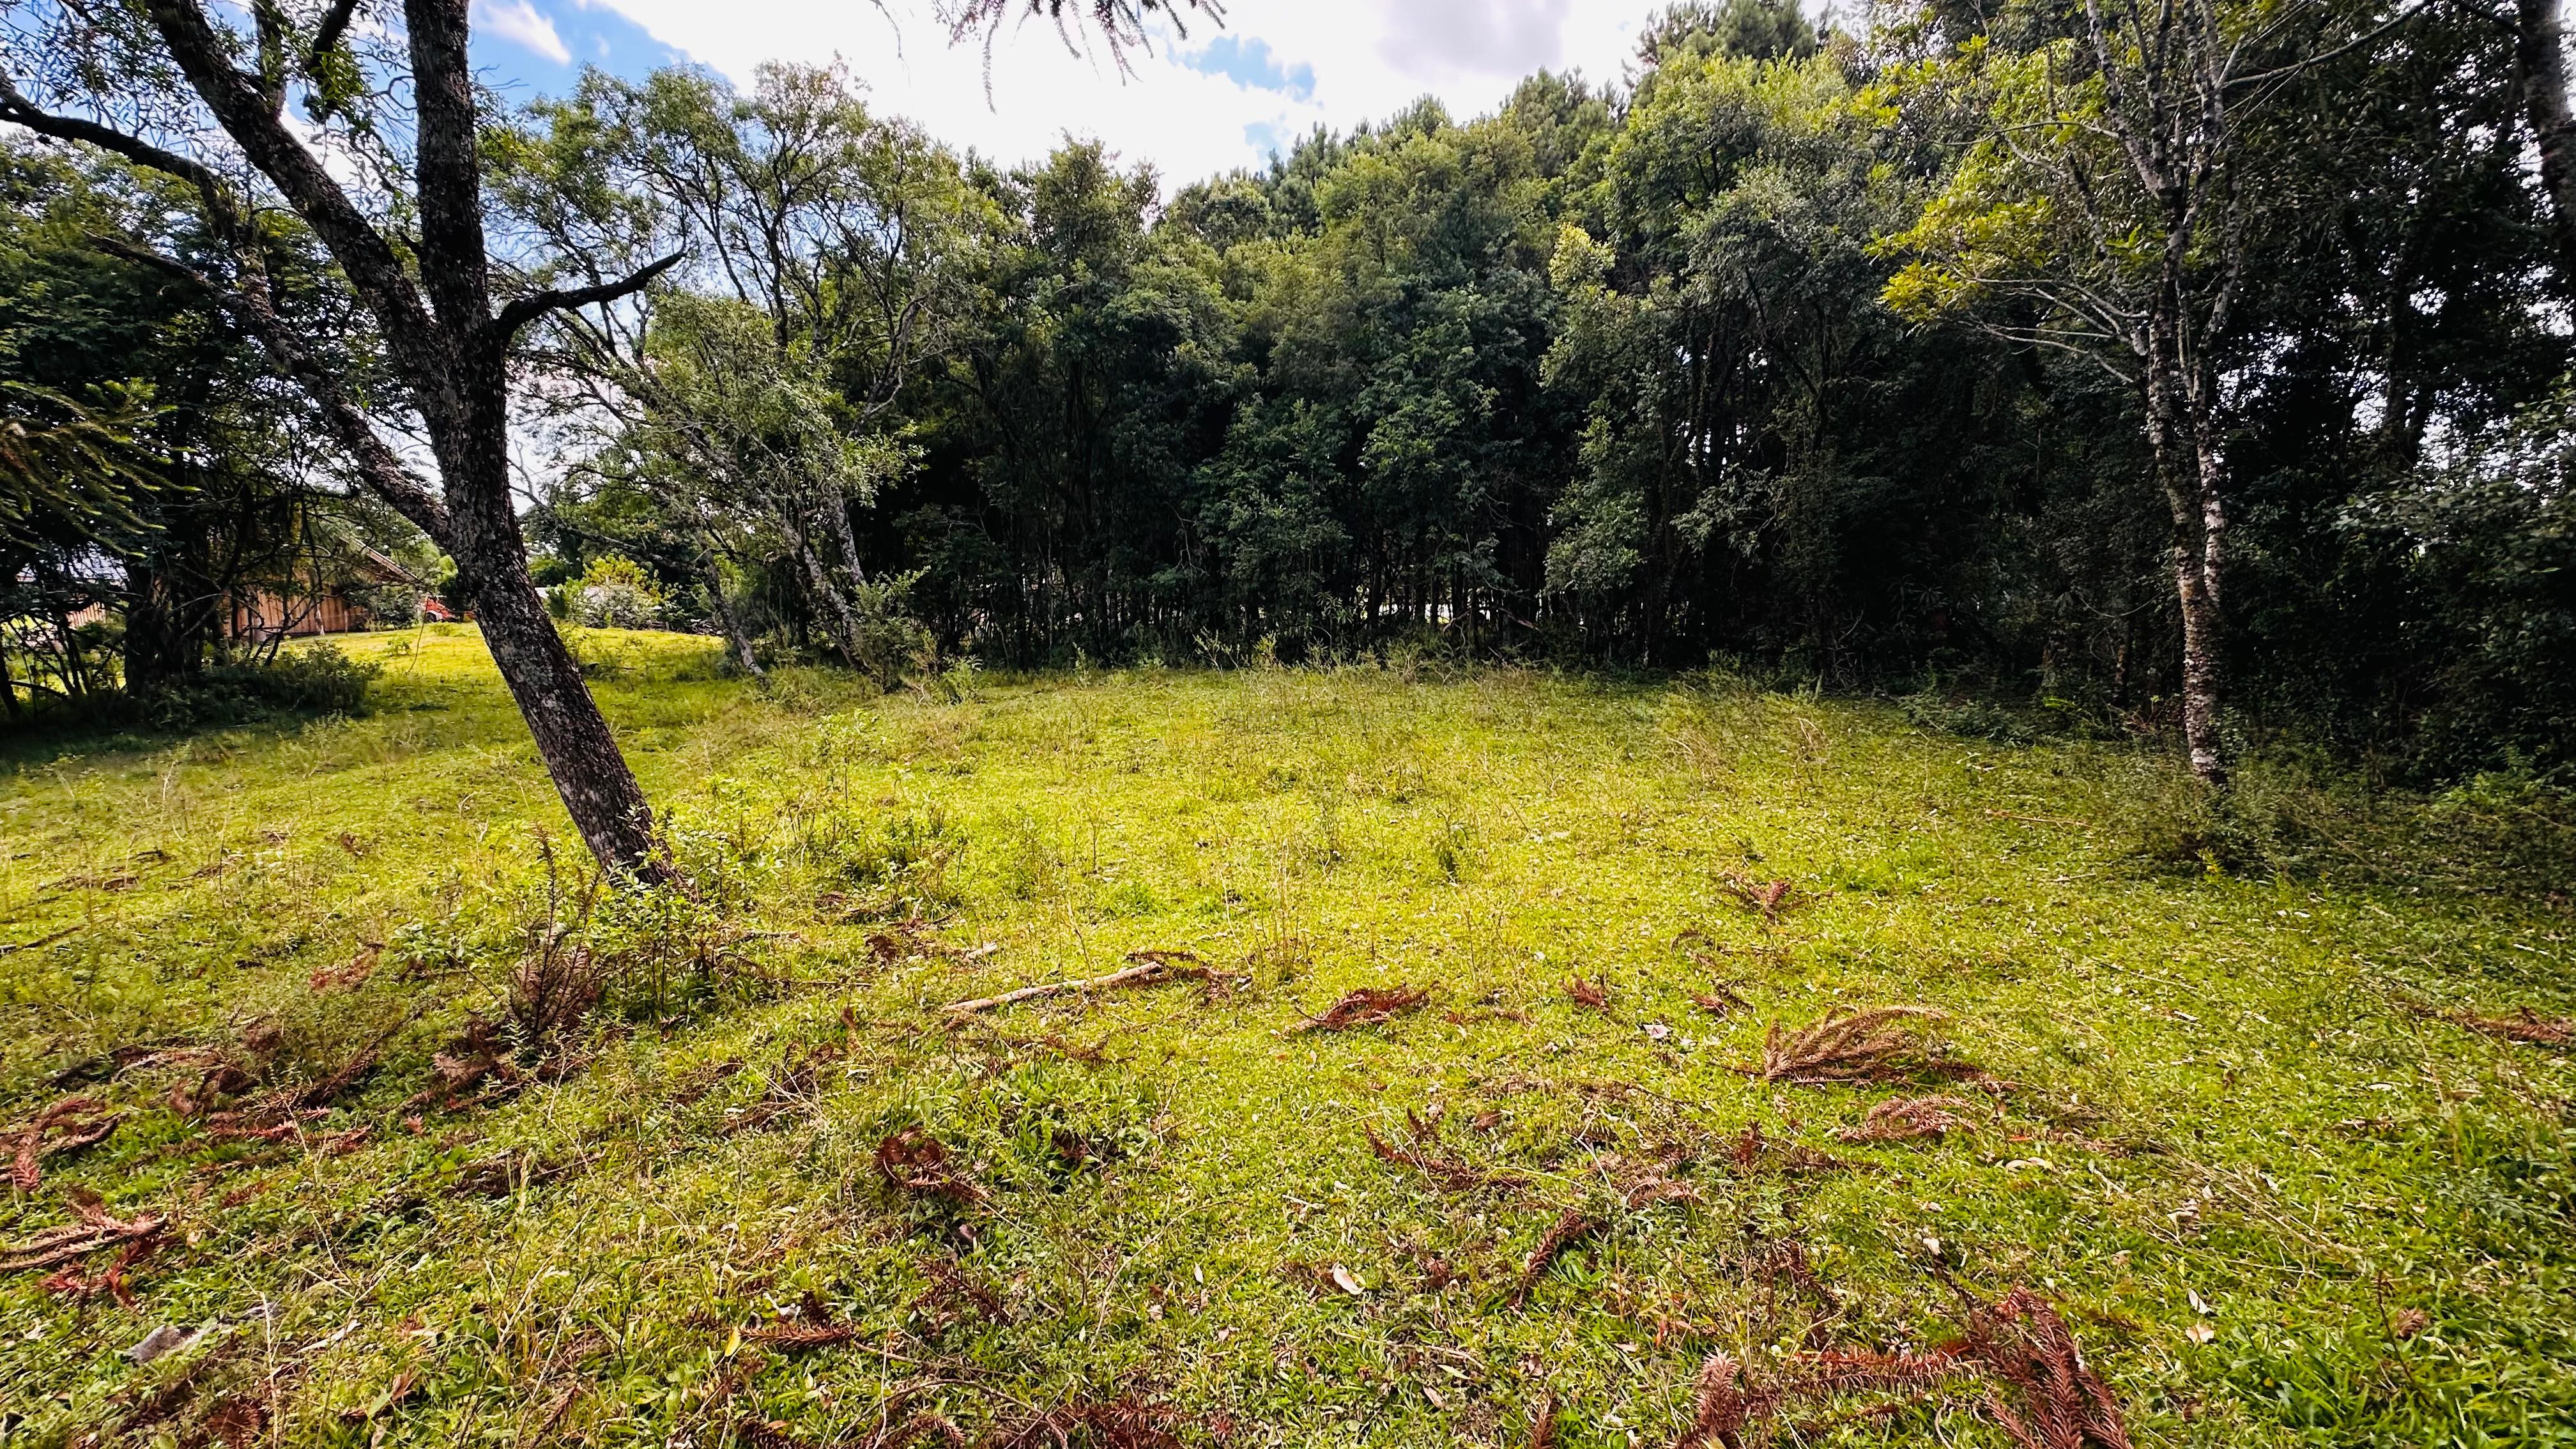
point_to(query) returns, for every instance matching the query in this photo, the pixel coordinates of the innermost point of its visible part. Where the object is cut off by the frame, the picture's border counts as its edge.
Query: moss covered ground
(446, 1144)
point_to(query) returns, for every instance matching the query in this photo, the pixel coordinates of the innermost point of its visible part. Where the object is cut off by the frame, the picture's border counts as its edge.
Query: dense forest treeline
(2107, 362)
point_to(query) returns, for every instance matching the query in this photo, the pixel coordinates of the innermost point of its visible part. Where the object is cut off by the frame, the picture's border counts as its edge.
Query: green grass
(2236, 1159)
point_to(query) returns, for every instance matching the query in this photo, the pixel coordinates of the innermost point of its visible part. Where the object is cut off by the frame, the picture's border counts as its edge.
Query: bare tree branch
(374, 271)
(16, 109)
(326, 36)
(520, 311)
(383, 472)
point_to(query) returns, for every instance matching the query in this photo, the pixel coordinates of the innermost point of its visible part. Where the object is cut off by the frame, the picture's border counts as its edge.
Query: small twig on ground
(1903, 1119)
(7, 947)
(1455, 1176)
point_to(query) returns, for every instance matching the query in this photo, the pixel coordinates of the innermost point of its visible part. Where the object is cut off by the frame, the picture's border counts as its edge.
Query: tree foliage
(2195, 367)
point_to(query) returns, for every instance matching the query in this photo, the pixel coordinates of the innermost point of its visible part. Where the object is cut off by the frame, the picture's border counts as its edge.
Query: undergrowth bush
(2285, 813)
(314, 680)
(1980, 716)
(1967, 717)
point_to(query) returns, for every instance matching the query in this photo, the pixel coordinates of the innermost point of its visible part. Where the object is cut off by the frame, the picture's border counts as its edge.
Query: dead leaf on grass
(340, 978)
(106, 881)
(1125, 1422)
(1571, 1227)
(96, 1228)
(2037, 1387)
(70, 1282)
(2525, 1026)
(1765, 897)
(1543, 1423)
(1719, 999)
(1756, 1152)
(1453, 1175)
(794, 1084)
(952, 1286)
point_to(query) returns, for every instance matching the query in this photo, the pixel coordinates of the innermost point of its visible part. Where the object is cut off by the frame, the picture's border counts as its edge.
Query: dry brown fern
(1876, 1044)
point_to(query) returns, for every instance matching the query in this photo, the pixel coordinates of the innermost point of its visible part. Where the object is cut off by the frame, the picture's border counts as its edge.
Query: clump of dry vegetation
(63, 1127)
(1366, 1006)
(913, 1161)
(1875, 1044)
(2525, 1026)
(2018, 1351)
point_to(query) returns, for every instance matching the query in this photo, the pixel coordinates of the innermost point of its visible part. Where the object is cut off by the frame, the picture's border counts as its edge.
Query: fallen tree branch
(1152, 969)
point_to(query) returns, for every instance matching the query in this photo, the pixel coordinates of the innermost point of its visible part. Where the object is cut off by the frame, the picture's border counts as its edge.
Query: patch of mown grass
(2220, 1120)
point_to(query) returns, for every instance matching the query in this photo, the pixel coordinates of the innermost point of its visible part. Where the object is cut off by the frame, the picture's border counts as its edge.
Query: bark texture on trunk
(731, 622)
(2540, 53)
(844, 619)
(2202, 637)
(2182, 442)
(590, 775)
(598, 791)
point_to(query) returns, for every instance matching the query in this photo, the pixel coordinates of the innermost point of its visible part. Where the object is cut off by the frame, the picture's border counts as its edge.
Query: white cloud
(1370, 58)
(517, 21)
(1503, 39)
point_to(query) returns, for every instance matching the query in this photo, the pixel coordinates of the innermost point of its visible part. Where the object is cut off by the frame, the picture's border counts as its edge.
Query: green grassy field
(418, 1187)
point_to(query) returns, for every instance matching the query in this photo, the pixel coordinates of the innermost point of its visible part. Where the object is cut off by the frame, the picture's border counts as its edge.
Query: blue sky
(1247, 61)
(1208, 100)
(528, 48)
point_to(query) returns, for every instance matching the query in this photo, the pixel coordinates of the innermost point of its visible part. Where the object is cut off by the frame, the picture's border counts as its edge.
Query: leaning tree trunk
(598, 791)
(842, 619)
(429, 293)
